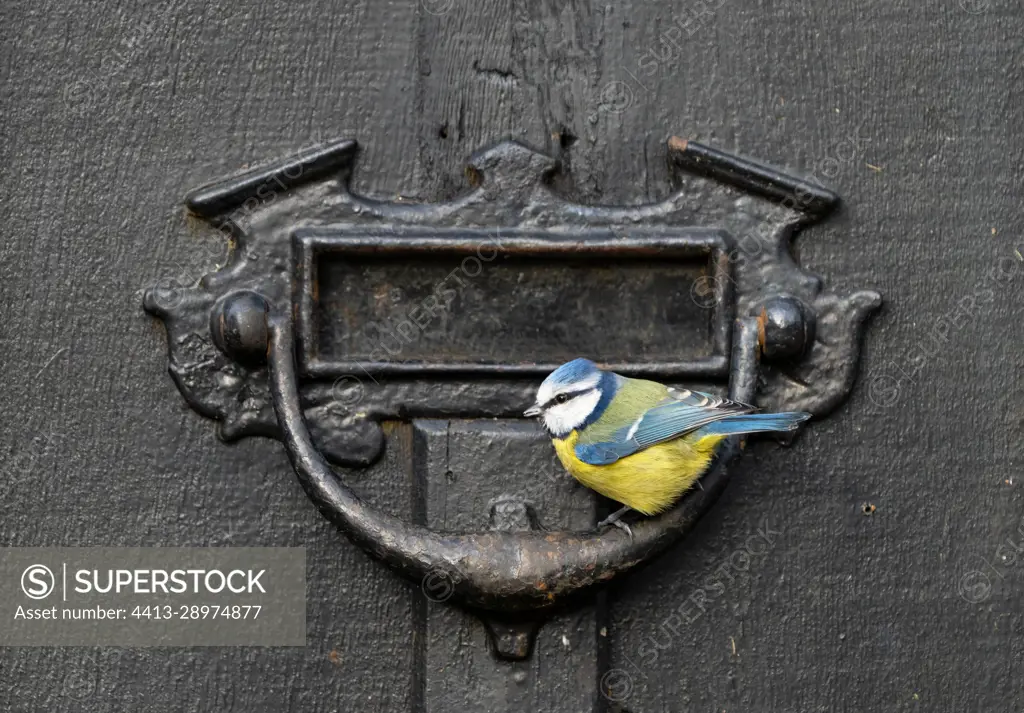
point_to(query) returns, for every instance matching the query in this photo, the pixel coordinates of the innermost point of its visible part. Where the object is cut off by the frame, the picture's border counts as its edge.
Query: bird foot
(614, 519)
(624, 527)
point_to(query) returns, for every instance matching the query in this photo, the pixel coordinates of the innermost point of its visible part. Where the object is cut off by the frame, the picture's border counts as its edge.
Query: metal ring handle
(496, 571)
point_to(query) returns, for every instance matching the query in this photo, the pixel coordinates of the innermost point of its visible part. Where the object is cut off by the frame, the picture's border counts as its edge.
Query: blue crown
(572, 372)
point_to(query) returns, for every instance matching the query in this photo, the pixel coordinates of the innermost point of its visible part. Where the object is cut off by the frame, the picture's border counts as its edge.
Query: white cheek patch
(547, 390)
(566, 417)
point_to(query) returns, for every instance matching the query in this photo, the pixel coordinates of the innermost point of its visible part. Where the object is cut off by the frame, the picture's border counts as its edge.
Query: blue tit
(640, 442)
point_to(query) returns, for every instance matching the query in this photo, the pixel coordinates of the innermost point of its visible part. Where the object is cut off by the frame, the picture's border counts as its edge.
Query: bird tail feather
(756, 423)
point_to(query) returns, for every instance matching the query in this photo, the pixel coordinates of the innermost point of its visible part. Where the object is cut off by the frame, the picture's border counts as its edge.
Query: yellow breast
(648, 481)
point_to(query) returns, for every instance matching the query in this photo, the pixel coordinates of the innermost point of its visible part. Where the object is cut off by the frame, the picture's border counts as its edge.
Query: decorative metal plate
(350, 302)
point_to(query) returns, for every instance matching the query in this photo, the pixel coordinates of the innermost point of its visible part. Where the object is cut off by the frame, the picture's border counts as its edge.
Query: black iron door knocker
(275, 343)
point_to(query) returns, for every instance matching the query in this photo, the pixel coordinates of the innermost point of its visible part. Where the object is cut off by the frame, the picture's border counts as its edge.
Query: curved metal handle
(497, 571)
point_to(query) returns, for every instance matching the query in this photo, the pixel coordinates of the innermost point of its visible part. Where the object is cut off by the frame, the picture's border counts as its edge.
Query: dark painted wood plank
(113, 111)
(464, 466)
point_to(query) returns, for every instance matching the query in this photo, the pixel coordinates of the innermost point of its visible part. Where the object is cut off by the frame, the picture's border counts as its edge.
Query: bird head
(573, 396)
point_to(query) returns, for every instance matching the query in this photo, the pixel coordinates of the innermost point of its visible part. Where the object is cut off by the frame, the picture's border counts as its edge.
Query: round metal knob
(787, 328)
(238, 325)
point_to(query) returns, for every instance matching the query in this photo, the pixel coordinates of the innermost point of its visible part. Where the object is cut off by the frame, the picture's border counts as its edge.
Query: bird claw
(614, 518)
(624, 527)
(614, 521)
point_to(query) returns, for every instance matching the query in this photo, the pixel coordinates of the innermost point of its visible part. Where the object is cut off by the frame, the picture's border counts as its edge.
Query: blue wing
(680, 413)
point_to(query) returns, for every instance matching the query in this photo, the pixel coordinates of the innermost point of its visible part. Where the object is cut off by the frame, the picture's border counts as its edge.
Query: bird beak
(532, 411)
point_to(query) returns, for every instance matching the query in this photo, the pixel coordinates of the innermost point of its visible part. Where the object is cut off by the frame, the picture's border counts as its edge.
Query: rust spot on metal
(677, 143)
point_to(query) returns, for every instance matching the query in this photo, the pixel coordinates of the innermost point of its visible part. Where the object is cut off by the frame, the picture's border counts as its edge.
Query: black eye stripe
(571, 394)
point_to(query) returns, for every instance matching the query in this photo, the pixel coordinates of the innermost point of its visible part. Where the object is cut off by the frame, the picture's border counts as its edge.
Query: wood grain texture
(911, 111)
